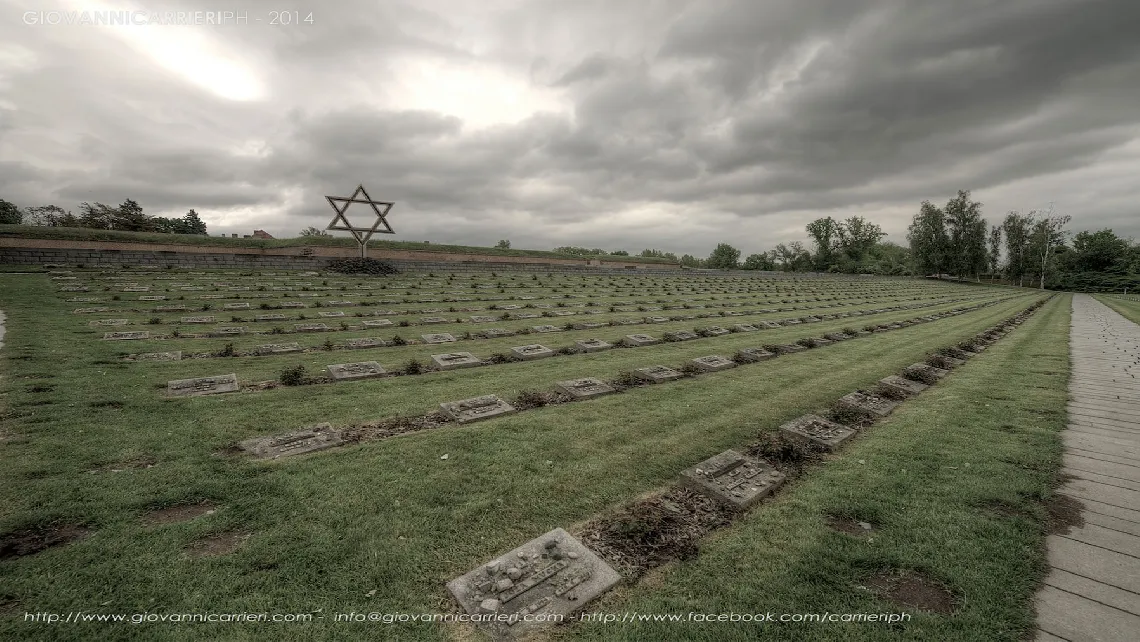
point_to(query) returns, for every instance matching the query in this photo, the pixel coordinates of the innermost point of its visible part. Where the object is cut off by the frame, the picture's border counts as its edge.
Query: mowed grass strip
(1128, 307)
(952, 482)
(389, 516)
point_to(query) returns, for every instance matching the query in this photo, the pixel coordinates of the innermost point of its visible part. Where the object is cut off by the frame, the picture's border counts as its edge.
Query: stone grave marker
(713, 362)
(431, 320)
(170, 308)
(837, 336)
(331, 315)
(902, 385)
(733, 479)
(533, 351)
(277, 348)
(159, 356)
(90, 310)
(350, 371)
(874, 404)
(483, 319)
(771, 325)
(125, 336)
(640, 340)
(753, 355)
(339, 303)
(152, 298)
(814, 429)
(714, 331)
(109, 322)
(551, 575)
(923, 370)
(588, 325)
(75, 288)
(306, 440)
(476, 408)
(546, 328)
(291, 305)
(681, 335)
(494, 333)
(745, 327)
(593, 345)
(792, 322)
(657, 374)
(198, 320)
(137, 288)
(584, 388)
(657, 319)
(236, 306)
(269, 317)
(357, 344)
(789, 348)
(438, 338)
(455, 360)
(227, 331)
(377, 323)
(311, 327)
(84, 299)
(199, 386)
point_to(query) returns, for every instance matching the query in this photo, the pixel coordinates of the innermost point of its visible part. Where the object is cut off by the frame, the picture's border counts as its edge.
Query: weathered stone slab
(494, 333)
(75, 288)
(733, 479)
(158, 356)
(236, 306)
(714, 331)
(109, 322)
(657, 374)
(788, 348)
(752, 355)
(745, 327)
(771, 325)
(546, 328)
(903, 385)
(198, 386)
(277, 348)
(431, 320)
(478, 318)
(291, 305)
(552, 575)
(331, 314)
(713, 362)
(125, 336)
(85, 299)
(307, 440)
(681, 335)
(198, 320)
(339, 303)
(584, 388)
(817, 430)
(874, 404)
(442, 337)
(476, 408)
(311, 327)
(361, 343)
(90, 310)
(137, 288)
(269, 317)
(456, 360)
(922, 371)
(837, 336)
(152, 298)
(640, 340)
(227, 331)
(359, 370)
(533, 351)
(657, 319)
(593, 345)
(377, 323)
(588, 325)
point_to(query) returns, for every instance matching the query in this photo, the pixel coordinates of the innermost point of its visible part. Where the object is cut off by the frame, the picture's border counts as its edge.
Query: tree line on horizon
(127, 217)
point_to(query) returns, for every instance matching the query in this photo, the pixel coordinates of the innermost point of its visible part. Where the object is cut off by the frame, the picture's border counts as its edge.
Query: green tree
(130, 217)
(688, 260)
(1047, 235)
(994, 251)
(191, 224)
(824, 232)
(614, 253)
(966, 229)
(1016, 228)
(1099, 251)
(97, 216)
(312, 231)
(503, 244)
(10, 214)
(724, 257)
(929, 243)
(51, 216)
(758, 262)
(857, 236)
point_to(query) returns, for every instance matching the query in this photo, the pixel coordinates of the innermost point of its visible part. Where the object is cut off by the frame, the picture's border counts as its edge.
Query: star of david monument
(361, 234)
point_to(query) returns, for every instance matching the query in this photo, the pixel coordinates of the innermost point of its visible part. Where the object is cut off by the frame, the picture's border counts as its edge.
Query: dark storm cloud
(683, 123)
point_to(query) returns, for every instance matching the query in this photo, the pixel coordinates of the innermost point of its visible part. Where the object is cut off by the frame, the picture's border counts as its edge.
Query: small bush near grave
(529, 399)
(327, 345)
(205, 307)
(294, 376)
(403, 323)
(626, 379)
(174, 334)
(277, 330)
(362, 266)
(226, 351)
(850, 331)
(413, 367)
(398, 341)
(690, 370)
(155, 321)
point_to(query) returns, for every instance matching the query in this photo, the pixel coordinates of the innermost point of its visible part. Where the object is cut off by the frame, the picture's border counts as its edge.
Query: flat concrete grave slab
(771, 325)
(109, 322)
(339, 303)
(378, 323)
(494, 333)
(810, 319)
(292, 304)
(874, 404)
(925, 370)
(657, 319)
(753, 355)
(713, 362)
(455, 360)
(789, 348)
(159, 356)
(125, 336)
(733, 479)
(546, 328)
(277, 348)
(589, 325)
(817, 430)
(431, 320)
(236, 306)
(903, 385)
(681, 335)
(657, 374)
(368, 342)
(714, 331)
(837, 336)
(227, 331)
(533, 351)
(90, 310)
(438, 338)
(351, 371)
(553, 575)
(215, 385)
(198, 320)
(527, 315)
(476, 408)
(306, 440)
(170, 308)
(269, 317)
(640, 340)
(593, 345)
(331, 314)
(152, 298)
(483, 319)
(745, 327)
(584, 388)
(311, 327)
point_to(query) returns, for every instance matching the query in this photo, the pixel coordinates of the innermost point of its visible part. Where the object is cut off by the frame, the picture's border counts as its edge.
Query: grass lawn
(1127, 306)
(383, 525)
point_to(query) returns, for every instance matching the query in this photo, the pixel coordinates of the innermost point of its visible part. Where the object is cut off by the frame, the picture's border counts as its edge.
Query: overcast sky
(620, 124)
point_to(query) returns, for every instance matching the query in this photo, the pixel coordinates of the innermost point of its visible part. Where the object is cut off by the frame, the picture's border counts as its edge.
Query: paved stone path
(1092, 591)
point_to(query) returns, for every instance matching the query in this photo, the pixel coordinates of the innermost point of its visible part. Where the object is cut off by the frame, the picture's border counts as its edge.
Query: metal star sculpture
(362, 234)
